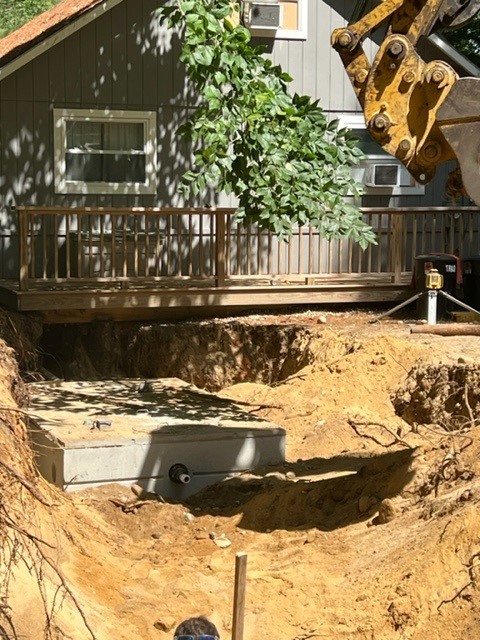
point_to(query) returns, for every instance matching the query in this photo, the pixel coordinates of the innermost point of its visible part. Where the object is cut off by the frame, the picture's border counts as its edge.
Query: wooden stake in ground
(239, 595)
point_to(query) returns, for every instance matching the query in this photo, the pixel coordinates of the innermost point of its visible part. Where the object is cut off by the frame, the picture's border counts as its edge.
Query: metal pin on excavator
(421, 113)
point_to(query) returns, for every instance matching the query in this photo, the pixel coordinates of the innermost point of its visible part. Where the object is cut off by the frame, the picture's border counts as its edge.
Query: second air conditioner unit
(382, 175)
(263, 15)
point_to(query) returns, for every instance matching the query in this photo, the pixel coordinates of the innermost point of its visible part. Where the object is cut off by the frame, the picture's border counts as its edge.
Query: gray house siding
(124, 60)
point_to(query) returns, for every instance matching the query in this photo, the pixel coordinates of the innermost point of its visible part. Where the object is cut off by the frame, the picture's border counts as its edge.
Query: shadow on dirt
(303, 499)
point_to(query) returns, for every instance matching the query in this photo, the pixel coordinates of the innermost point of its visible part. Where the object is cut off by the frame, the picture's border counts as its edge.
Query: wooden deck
(111, 301)
(86, 264)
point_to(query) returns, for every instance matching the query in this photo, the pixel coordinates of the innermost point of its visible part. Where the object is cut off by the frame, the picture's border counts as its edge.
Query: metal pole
(460, 304)
(399, 306)
(432, 306)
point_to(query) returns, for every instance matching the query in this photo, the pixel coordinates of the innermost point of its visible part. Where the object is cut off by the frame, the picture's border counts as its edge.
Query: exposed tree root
(20, 544)
(26, 483)
(472, 582)
(355, 423)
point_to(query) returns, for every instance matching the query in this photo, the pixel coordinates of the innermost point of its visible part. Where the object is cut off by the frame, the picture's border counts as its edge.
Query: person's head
(199, 628)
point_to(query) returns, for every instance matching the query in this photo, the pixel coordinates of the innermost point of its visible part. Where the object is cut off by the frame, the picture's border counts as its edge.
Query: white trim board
(55, 38)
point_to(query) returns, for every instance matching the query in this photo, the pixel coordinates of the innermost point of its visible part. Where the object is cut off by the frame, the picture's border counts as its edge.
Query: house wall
(125, 60)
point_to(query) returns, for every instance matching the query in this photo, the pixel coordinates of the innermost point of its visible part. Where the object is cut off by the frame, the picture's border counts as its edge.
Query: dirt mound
(369, 531)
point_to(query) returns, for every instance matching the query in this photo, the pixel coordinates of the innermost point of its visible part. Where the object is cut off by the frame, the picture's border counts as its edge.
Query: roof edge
(21, 50)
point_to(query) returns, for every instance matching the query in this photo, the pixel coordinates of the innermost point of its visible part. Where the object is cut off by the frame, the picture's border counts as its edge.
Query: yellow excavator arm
(420, 112)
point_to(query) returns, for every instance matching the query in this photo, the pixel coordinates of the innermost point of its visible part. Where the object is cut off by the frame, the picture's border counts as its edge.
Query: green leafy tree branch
(276, 152)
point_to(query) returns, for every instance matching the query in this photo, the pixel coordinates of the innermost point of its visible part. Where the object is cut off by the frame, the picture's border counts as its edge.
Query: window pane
(84, 167)
(123, 136)
(87, 167)
(84, 135)
(109, 136)
(124, 168)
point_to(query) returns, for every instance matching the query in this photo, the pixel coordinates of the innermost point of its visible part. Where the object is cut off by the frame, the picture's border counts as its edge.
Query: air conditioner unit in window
(263, 15)
(382, 175)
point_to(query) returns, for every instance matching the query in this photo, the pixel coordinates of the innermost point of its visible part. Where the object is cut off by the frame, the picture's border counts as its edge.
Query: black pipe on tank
(179, 474)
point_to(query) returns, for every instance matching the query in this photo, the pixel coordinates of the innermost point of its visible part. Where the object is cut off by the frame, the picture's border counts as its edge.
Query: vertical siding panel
(89, 89)
(172, 156)
(310, 49)
(126, 60)
(342, 96)
(56, 66)
(119, 55)
(103, 39)
(166, 75)
(25, 83)
(322, 59)
(337, 71)
(73, 65)
(9, 87)
(295, 66)
(179, 78)
(134, 56)
(25, 152)
(150, 54)
(41, 83)
(9, 167)
(43, 157)
(10, 149)
(280, 56)
(2, 153)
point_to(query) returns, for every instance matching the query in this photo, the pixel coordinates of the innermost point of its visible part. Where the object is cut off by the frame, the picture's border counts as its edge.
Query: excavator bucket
(459, 122)
(420, 112)
(454, 14)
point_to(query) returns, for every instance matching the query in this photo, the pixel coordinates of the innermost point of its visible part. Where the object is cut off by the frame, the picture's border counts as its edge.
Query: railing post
(22, 218)
(397, 247)
(220, 249)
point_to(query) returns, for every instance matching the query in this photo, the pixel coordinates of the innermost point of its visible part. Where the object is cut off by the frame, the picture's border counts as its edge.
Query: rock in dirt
(365, 503)
(165, 625)
(220, 540)
(387, 511)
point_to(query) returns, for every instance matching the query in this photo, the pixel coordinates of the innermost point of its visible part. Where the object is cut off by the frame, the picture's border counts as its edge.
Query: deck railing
(85, 245)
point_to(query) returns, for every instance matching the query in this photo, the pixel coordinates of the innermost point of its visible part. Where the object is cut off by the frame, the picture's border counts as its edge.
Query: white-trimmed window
(381, 173)
(279, 19)
(105, 151)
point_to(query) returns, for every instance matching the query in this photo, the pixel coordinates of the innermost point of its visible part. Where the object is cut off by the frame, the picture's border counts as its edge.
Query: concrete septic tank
(165, 435)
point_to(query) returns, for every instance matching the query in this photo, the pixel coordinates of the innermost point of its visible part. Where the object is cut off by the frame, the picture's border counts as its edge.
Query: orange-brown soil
(371, 530)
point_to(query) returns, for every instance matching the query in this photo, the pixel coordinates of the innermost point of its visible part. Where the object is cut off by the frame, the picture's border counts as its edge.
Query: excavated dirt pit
(388, 551)
(210, 355)
(140, 413)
